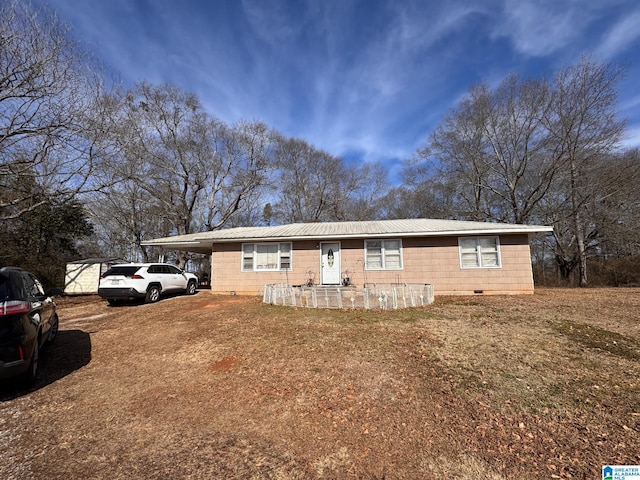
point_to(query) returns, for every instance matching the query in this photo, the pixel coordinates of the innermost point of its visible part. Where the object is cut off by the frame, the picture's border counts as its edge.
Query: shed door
(330, 264)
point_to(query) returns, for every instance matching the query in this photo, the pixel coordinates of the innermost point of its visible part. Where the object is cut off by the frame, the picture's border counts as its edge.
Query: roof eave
(203, 242)
(448, 233)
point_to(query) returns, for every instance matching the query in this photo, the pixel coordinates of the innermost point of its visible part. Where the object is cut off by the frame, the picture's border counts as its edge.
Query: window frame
(384, 256)
(33, 287)
(479, 263)
(249, 251)
(173, 270)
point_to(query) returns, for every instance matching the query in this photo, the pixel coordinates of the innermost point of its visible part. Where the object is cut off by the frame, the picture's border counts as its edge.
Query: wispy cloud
(275, 22)
(367, 79)
(620, 36)
(537, 28)
(632, 136)
(360, 105)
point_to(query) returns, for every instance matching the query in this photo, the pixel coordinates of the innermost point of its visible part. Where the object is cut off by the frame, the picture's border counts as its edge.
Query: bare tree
(124, 215)
(584, 127)
(369, 185)
(615, 211)
(168, 149)
(496, 146)
(458, 146)
(530, 151)
(47, 92)
(304, 191)
(244, 154)
(175, 169)
(201, 170)
(423, 193)
(315, 186)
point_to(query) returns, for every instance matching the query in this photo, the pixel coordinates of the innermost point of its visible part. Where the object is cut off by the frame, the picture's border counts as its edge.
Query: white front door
(330, 264)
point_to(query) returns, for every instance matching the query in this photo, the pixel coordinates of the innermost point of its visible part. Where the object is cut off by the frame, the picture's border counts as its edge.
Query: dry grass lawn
(542, 386)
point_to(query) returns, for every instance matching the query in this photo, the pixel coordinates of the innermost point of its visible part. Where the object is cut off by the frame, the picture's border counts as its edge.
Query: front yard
(543, 386)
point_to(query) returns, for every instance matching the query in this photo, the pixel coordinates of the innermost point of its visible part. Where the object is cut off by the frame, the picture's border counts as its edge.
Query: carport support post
(211, 269)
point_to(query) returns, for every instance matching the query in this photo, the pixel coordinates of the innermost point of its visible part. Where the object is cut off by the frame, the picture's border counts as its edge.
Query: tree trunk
(582, 263)
(578, 226)
(566, 266)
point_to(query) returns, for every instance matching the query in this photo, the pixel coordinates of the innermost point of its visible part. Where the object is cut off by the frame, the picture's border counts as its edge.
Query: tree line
(541, 151)
(91, 168)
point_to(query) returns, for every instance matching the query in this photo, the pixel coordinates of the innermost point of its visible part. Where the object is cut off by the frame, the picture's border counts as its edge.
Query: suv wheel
(53, 332)
(28, 378)
(153, 294)
(191, 288)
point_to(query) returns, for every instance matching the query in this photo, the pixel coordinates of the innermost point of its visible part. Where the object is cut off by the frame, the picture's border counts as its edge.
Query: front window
(383, 254)
(479, 252)
(266, 256)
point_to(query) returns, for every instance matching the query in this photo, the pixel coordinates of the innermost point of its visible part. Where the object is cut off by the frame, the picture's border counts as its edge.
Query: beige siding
(437, 261)
(432, 260)
(82, 278)
(227, 275)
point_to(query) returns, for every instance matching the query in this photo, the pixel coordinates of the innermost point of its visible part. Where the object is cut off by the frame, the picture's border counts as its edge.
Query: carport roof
(420, 227)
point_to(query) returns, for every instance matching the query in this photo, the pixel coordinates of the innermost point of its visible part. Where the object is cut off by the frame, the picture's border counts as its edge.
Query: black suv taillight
(14, 306)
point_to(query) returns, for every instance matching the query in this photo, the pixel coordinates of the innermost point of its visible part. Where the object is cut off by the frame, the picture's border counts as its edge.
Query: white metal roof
(420, 227)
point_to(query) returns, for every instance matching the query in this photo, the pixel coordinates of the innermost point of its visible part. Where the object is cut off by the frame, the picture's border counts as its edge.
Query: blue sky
(367, 80)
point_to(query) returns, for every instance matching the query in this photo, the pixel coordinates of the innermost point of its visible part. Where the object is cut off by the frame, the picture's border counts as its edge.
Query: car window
(126, 271)
(5, 288)
(17, 288)
(174, 270)
(153, 269)
(37, 288)
(31, 287)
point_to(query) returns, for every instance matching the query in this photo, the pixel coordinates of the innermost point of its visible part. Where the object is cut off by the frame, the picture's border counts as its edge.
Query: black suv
(28, 320)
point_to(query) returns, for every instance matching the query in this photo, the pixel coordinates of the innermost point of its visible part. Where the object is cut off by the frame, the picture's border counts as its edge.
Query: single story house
(83, 276)
(457, 257)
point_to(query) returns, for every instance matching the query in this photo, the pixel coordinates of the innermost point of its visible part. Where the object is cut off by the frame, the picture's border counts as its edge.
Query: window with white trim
(479, 252)
(266, 256)
(383, 254)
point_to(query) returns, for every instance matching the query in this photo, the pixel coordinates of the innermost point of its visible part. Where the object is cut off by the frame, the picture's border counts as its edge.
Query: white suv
(129, 281)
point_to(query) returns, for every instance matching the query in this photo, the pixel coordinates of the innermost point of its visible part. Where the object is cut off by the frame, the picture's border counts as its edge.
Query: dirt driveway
(543, 386)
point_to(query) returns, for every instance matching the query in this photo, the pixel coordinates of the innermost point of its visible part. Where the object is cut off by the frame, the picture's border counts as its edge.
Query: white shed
(83, 276)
